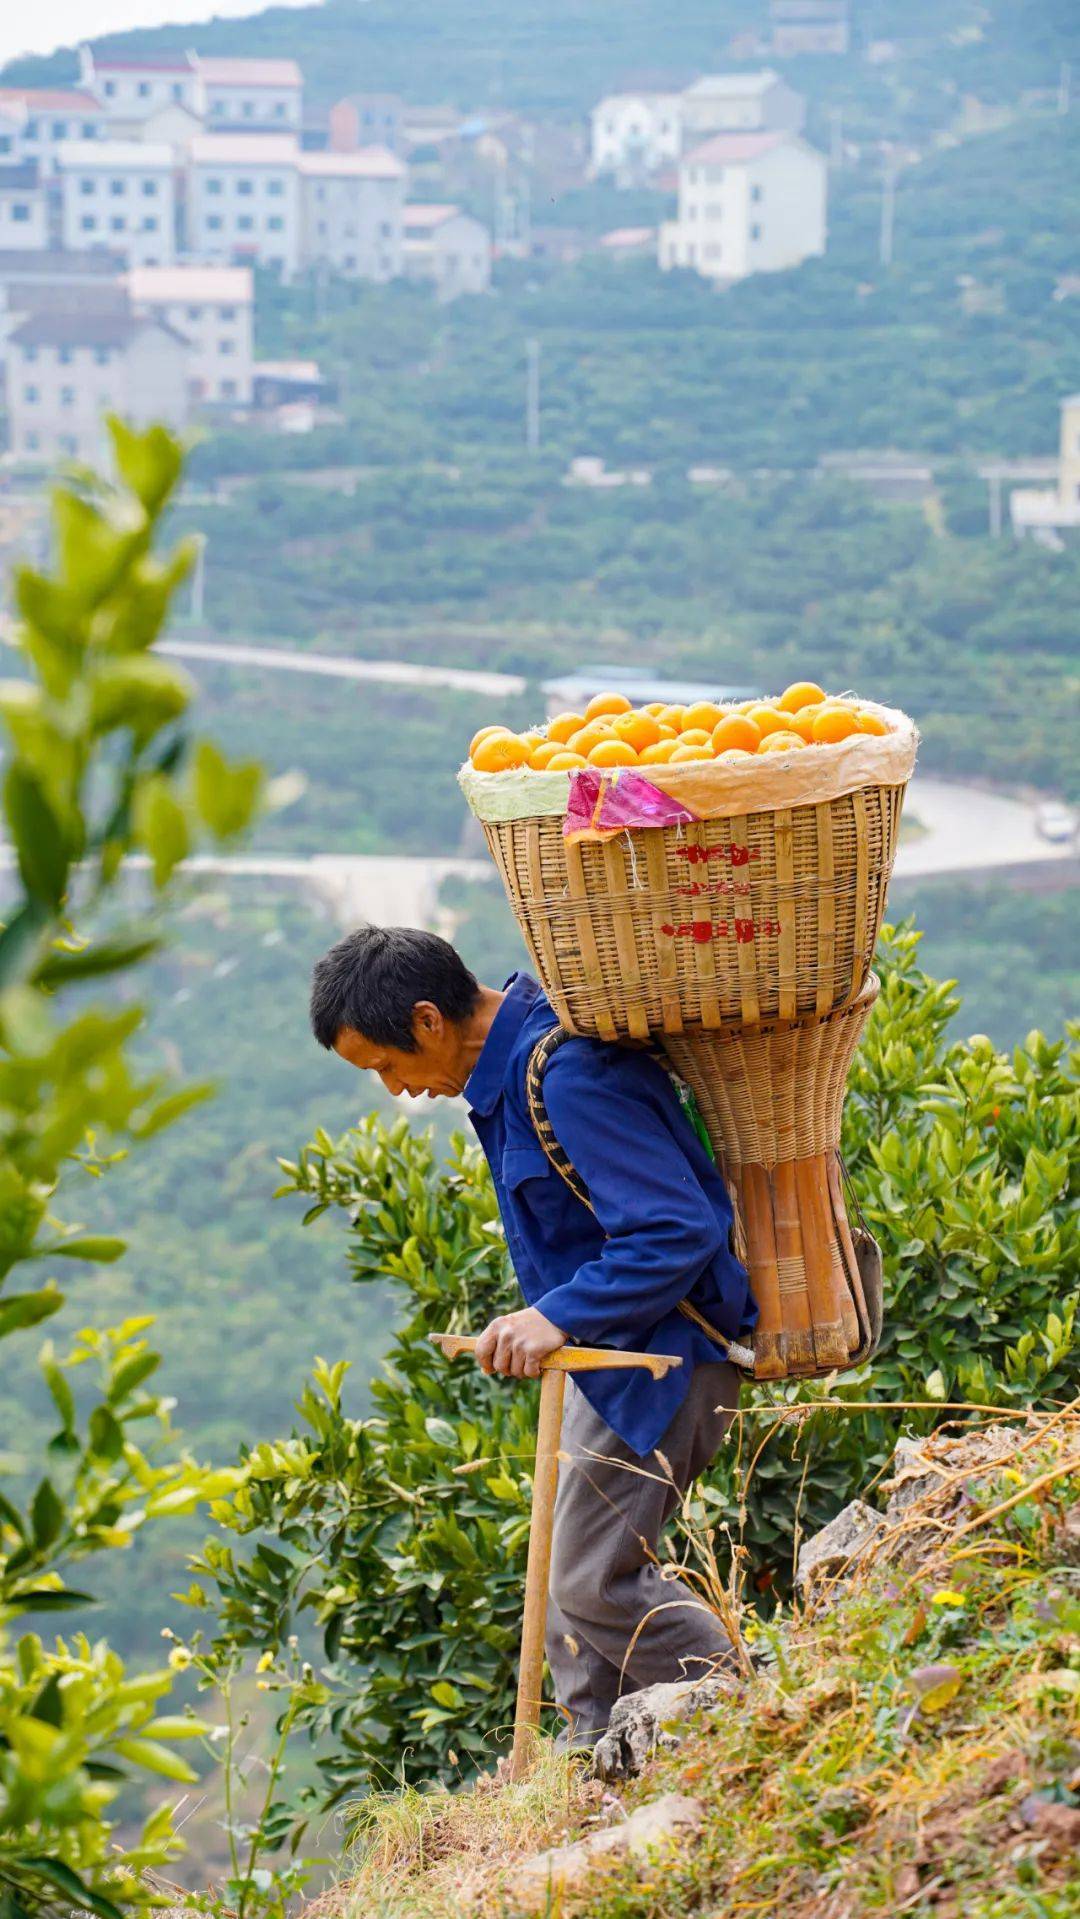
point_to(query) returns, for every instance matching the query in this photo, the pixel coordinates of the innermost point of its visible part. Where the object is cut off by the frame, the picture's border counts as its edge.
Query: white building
(748, 203)
(36, 121)
(45, 278)
(739, 103)
(264, 96)
(635, 134)
(448, 248)
(24, 210)
(351, 212)
(66, 371)
(119, 194)
(1046, 512)
(212, 307)
(244, 199)
(131, 88)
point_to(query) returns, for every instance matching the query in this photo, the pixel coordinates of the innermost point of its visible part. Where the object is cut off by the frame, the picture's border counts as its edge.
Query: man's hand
(515, 1343)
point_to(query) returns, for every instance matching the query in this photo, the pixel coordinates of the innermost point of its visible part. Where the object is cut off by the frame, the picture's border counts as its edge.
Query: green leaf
(18, 1310)
(54, 1599)
(226, 795)
(161, 826)
(56, 1873)
(138, 691)
(40, 843)
(47, 1514)
(444, 1694)
(104, 1248)
(21, 941)
(149, 463)
(106, 956)
(155, 1758)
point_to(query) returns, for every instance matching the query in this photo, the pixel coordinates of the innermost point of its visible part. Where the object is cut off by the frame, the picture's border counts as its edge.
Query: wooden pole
(534, 1620)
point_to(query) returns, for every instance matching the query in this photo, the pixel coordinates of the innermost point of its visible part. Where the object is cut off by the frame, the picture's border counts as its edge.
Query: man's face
(435, 1068)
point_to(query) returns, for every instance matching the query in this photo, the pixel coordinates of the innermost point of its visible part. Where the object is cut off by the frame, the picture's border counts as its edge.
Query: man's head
(401, 1003)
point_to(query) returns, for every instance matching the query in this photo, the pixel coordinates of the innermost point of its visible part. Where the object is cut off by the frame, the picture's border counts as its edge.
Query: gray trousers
(604, 1577)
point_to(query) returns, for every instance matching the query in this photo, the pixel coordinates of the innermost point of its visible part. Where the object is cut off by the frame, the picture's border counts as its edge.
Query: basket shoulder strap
(539, 1059)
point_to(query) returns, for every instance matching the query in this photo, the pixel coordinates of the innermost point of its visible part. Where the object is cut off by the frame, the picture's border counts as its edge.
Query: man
(402, 1004)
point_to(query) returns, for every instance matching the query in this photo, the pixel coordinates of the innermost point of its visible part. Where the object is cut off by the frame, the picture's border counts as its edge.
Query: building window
(118, 223)
(87, 186)
(275, 188)
(117, 188)
(143, 89)
(67, 396)
(88, 130)
(194, 313)
(64, 355)
(228, 389)
(68, 443)
(5, 143)
(279, 109)
(177, 89)
(248, 110)
(755, 232)
(245, 187)
(275, 223)
(30, 395)
(110, 89)
(756, 193)
(226, 313)
(149, 188)
(29, 353)
(59, 129)
(226, 346)
(385, 229)
(214, 223)
(32, 129)
(245, 223)
(101, 356)
(213, 186)
(88, 223)
(32, 441)
(20, 210)
(149, 224)
(350, 262)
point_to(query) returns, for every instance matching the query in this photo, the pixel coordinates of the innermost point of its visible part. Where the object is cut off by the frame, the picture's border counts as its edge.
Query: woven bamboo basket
(768, 908)
(771, 1099)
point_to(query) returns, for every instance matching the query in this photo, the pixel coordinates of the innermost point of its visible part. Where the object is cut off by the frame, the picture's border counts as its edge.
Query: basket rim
(713, 789)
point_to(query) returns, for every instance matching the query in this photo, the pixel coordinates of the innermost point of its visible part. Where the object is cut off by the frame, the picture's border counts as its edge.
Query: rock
(844, 1538)
(652, 1829)
(641, 1722)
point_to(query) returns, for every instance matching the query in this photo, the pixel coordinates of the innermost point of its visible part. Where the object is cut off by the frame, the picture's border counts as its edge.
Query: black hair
(372, 979)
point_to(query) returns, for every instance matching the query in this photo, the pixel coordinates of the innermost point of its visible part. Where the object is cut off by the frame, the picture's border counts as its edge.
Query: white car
(1055, 821)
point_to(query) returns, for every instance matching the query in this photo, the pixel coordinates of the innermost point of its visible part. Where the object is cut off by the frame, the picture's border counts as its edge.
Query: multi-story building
(24, 209)
(366, 120)
(264, 96)
(244, 199)
(36, 278)
(351, 212)
(738, 103)
(748, 203)
(119, 194)
(809, 26)
(635, 134)
(131, 88)
(36, 121)
(212, 307)
(448, 248)
(66, 371)
(1046, 513)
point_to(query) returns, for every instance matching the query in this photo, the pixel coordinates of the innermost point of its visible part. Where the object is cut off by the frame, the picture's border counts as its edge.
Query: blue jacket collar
(484, 1086)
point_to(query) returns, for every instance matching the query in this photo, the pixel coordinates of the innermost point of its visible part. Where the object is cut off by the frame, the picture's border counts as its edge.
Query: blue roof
(640, 684)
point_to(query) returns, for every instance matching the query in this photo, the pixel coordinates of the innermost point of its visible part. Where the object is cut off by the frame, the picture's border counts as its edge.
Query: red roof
(728, 149)
(52, 99)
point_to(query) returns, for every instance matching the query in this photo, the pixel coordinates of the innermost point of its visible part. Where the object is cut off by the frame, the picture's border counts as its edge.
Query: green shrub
(404, 1534)
(97, 763)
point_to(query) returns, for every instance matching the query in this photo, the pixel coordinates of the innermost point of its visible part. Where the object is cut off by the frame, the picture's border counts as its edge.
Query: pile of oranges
(611, 732)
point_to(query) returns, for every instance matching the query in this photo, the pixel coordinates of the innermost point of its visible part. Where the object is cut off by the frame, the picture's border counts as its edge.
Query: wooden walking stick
(553, 1371)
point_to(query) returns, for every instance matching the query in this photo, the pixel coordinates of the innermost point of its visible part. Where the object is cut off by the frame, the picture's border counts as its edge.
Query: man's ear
(428, 1024)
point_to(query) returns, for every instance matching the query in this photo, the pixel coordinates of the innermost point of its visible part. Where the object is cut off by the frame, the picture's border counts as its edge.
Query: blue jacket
(660, 1231)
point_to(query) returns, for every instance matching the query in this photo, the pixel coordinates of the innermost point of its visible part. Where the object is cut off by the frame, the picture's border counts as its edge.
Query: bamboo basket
(771, 1099)
(767, 907)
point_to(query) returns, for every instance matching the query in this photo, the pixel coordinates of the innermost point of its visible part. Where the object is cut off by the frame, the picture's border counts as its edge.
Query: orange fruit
(637, 729)
(485, 733)
(732, 755)
(685, 751)
(736, 730)
(501, 751)
(542, 755)
(869, 723)
(782, 743)
(612, 753)
(768, 720)
(746, 706)
(704, 713)
(606, 703)
(565, 761)
(564, 725)
(588, 736)
(659, 754)
(671, 716)
(802, 723)
(655, 707)
(799, 694)
(667, 732)
(834, 723)
(695, 736)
